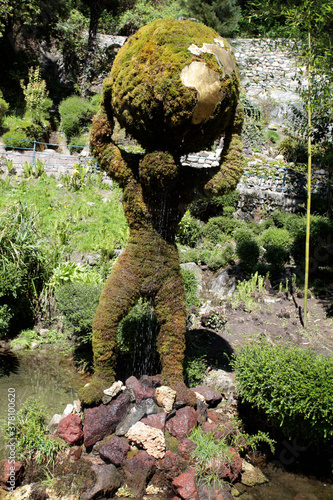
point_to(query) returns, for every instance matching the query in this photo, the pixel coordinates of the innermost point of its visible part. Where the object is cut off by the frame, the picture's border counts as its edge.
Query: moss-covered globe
(174, 86)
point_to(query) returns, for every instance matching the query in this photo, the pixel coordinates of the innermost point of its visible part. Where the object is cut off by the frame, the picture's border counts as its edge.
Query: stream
(51, 378)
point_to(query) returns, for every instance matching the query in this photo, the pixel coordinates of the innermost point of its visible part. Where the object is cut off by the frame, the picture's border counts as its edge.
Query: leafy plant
(29, 433)
(190, 280)
(195, 367)
(75, 115)
(189, 231)
(292, 387)
(37, 102)
(277, 243)
(247, 249)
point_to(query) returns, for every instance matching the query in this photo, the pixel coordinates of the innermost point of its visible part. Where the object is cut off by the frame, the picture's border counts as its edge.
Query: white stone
(69, 408)
(151, 439)
(115, 388)
(165, 396)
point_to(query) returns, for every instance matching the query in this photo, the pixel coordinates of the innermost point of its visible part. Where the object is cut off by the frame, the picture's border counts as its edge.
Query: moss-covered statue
(174, 88)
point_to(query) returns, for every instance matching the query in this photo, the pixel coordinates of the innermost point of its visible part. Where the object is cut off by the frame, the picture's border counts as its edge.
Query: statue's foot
(92, 393)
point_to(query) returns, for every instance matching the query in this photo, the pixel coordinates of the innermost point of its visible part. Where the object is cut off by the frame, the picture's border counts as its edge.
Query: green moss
(145, 94)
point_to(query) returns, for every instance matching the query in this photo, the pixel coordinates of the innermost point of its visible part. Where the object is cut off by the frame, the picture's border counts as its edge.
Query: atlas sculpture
(174, 87)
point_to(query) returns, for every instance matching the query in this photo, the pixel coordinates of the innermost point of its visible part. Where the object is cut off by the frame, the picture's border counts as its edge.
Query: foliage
(214, 257)
(37, 102)
(246, 290)
(203, 208)
(221, 15)
(320, 248)
(4, 106)
(189, 231)
(27, 337)
(247, 249)
(142, 13)
(190, 280)
(29, 433)
(23, 266)
(36, 170)
(77, 143)
(75, 115)
(195, 367)
(16, 139)
(293, 149)
(292, 387)
(77, 302)
(277, 243)
(253, 127)
(217, 228)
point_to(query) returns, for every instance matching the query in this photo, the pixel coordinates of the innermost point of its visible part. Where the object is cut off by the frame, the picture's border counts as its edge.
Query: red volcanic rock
(151, 381)
(230, 472)
(185, 486)
(102, 420)
(10, 472)
(185, 448)
(212, 397)
(70, 429)
(140, 390)
(169, 465)
(156, 420)
(136, 470)
(207, 427)
(214, 492)
(212, 416)
(182, 423)
(115, 450)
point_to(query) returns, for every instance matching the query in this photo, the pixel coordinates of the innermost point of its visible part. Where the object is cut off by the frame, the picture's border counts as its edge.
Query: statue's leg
(119, 295)
(170, 311)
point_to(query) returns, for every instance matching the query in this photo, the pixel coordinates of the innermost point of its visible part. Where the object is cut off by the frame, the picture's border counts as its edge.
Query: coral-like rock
(252, 475)
(70, 429)
(165, 396)
(150, 438)
(115, 388)
(182, 423)
(102, 420)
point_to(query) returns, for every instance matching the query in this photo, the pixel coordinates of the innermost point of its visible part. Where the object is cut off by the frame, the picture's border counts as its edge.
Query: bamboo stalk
(308, 207)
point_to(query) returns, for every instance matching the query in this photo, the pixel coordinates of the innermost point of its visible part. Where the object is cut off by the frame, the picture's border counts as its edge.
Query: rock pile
(136, 444)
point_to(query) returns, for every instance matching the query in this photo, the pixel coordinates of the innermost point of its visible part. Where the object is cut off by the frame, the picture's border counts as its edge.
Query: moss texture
(145, 94)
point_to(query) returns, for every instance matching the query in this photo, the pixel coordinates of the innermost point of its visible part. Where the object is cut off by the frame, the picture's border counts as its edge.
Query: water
(48, 376)
(286, 486)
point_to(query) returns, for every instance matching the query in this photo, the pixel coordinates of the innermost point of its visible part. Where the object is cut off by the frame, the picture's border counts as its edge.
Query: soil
(279, 318)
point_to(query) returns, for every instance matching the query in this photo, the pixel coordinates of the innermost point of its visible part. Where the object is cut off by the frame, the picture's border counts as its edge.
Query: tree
(221, 15)
(311, 22)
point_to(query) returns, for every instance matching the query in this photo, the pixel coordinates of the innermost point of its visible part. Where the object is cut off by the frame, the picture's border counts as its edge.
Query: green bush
(293, 150)
(203, 209)
(30, 435)
(75, 115)
(23, 267)
(247, 249)
(321, 250)
(77, 143)
(16, 139)
(293, 387)
(190, 280)
(189, 231)
(220, 257)
(277, 243)
(4, 106)
(77, 302)
(217, 228)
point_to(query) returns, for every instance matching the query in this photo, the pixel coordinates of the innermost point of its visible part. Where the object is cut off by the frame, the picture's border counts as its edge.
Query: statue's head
(174, 86)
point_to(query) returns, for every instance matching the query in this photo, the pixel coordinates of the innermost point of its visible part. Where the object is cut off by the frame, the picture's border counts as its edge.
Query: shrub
(293, 150)
(23, 267)
(247, 249)
(77, 302)
(293, 387)
(16, 139)
(218, 227)
(277, 242)
(77, 143)
(189, 231)
(30, 435)
(75, 115)
(220, 257)
(4, 106)
(190, 280)
(203, 209)
(321, 250)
